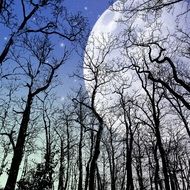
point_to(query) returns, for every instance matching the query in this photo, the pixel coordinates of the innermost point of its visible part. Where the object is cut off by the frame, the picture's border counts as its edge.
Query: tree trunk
(156, 113)
(95, 156)
(163, 158)
(88, 163)
(19, 148)
(80, 161)
(157, 181)
(61, 168)
(99, 180)
(130, 185)
(68, 157)
(139, 165)
(80, 178)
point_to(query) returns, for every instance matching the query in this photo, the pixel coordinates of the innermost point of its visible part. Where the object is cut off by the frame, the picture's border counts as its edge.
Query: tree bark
(61, 167)
(80, 161)
(80, 178)
(95, 156)
(130, 185)
(19, 148)
(163, 158)
(157, 169)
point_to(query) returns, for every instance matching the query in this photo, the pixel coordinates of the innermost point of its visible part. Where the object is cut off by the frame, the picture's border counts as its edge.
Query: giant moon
(111, 46)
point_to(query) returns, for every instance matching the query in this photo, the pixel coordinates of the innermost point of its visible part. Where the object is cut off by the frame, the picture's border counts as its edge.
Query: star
(62, 44)
(62, 98)
(5, 38)
(85, 8)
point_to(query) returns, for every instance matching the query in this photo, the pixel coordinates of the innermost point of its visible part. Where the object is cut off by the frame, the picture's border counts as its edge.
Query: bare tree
(82, 115)
(37, 17)
(127, 116)
(96, 79)
(156, 115)
(34, 88)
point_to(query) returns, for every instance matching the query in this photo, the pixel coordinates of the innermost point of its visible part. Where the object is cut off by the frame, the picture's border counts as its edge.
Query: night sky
(92, 10)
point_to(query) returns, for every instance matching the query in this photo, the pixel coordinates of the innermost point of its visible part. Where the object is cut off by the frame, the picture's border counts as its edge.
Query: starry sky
(92, 10)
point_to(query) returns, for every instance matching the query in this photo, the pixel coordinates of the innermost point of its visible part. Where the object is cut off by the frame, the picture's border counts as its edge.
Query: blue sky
(92, 10)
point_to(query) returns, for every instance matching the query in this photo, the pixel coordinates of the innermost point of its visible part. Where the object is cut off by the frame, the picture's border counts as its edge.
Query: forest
(124, 127)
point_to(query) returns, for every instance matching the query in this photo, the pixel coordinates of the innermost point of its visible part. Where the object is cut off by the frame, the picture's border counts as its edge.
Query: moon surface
(112, 40)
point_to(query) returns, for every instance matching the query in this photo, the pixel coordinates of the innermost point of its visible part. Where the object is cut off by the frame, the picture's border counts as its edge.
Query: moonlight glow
(166, 26)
